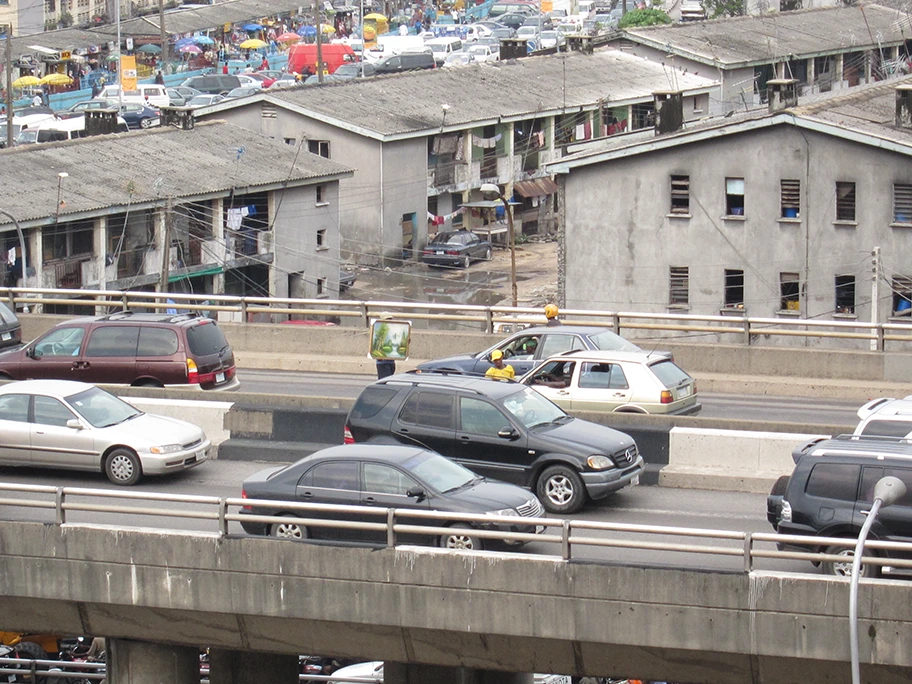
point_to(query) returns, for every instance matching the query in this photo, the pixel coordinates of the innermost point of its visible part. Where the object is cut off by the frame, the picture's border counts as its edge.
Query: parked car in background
(151, 94)
(287, 81)
(513, 20)
(552, 39)
(527, 348)
(140, 116)
(386, 476)
(625, 382)
(181, 95)
(10, 328)
(355, 70)
(406, 61)
(213, 84)
(77, 426)
(126, 348)
(885, 417)
(499, 429)
(81, 107)
(374, 670)
(484, 53)
(458, 59)
(243, 91)
(456, 248)
(205, 101)
(265, 78)
(830, 493)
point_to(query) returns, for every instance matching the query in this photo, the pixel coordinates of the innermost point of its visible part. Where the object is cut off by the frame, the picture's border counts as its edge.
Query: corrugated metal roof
(537, 187)
(148, 166)
(780, 35)
(413, 102)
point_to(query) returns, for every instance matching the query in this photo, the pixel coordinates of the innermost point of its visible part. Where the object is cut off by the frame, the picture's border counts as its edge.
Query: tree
(644, 17)
(716, 9)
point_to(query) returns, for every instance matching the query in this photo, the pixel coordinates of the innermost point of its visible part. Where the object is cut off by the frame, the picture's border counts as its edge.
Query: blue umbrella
(182, 42)
(307, 31)
(203, 40)
(252, 27)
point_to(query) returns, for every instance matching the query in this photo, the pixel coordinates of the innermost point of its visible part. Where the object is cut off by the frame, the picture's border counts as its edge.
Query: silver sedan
(78, 426)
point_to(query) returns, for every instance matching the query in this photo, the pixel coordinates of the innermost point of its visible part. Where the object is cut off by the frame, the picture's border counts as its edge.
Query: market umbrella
(56, 79)
(252, 27)
(26, 81)
(308, 30)
(252, 44)
(375, 17)
(288, 37)
(203, 40)
(190, 49)
(326, 28)
(149, 48)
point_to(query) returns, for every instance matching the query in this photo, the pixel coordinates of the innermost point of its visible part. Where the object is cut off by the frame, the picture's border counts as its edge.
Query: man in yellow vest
(499, 369)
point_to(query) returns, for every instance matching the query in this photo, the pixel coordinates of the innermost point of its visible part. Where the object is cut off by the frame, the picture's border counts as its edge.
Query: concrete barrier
(209, 415)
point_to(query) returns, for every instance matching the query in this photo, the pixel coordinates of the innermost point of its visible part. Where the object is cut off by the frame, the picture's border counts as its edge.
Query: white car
(483, 53)
(78, 426)
(552, 39)
(885, 417)
(373, 671)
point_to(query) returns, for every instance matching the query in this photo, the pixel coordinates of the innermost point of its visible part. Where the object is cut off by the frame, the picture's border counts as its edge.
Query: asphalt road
(655, 506)
(819, 410)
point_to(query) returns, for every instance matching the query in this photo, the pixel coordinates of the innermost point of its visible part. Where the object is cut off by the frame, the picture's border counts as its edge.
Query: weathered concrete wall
(484, 610)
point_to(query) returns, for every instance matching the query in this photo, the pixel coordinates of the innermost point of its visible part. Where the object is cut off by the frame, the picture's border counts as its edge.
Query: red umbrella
(288, 38)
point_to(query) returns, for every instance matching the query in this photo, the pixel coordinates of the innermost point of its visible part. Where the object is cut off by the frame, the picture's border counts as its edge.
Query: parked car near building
(10, 328)
(77, 426)
(456, 248)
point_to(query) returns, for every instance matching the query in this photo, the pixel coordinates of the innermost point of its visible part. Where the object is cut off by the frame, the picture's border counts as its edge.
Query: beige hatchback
(629, 382)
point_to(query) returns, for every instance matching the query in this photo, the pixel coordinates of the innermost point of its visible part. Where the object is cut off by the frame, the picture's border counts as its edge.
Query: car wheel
(288, 530)
(145, 123)
(461, 537)
(123, 467)
(488, 254)
(780, 486)
(561, 490)
(466, 261)
(844, 568)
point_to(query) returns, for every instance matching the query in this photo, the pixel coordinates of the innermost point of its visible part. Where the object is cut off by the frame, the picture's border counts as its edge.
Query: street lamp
(492, 191)
(887, 491)
(21, 248)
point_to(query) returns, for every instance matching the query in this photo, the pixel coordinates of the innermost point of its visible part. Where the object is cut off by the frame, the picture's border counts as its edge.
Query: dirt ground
(484, 282)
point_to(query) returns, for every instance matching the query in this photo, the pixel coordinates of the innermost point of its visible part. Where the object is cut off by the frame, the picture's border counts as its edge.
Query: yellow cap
(496, 354)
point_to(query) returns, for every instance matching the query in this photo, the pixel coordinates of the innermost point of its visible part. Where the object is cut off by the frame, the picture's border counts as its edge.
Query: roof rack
(454, 371)
(126, 314)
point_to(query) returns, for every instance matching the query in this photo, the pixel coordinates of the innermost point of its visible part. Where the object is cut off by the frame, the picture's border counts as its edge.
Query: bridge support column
(246, 667)
(142, 662)
(401, 673)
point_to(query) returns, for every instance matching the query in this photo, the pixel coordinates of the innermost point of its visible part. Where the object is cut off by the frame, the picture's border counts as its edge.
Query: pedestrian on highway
(551, 313)
(385, 368)
(499, 369)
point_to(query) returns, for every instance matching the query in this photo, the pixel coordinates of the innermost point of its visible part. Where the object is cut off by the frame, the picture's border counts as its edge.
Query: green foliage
(644, 17)
(66, 20)
(716, 9)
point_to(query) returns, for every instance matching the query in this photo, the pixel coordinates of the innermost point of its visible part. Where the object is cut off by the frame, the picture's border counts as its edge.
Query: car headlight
(166, 449)
(599, 462)
(504, 511)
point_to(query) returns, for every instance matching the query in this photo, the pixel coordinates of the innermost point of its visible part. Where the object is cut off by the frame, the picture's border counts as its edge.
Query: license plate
(6, 336)
(438, 252)
(684, 391)
(539, 529)
(220, 377)
(636, 480)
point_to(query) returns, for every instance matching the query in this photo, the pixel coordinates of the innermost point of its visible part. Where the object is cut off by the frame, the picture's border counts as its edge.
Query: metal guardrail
(394, 522)
(743, 328)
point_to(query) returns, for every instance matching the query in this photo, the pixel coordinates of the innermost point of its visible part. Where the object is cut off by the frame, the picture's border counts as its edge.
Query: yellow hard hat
(551, 311)
(496, 354)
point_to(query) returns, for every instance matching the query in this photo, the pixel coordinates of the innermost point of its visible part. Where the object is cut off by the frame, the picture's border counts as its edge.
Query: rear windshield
(370, 402)
(205, 339)
(668, 373)
(888, 428)
(608, 341)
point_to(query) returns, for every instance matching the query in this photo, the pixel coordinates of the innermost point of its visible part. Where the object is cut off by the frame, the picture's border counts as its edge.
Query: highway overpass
(460, 616)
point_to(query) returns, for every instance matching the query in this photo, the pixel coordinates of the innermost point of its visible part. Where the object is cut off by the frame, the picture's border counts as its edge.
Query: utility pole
(163, 33)
(875, 292)
(9, 85)
(166, 246)
(318, 16)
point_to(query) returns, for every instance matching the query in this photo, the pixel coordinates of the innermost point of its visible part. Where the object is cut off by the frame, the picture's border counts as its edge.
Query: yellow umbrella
(25, 81)
(252, 44)
(56, 79)
(376, 17)
(326, 28)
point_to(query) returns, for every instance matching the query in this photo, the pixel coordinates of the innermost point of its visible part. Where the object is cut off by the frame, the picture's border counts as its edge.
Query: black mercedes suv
(499, 429)
(830, 493)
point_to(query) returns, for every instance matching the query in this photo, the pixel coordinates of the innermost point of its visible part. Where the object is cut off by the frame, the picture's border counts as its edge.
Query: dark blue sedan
(456, 248)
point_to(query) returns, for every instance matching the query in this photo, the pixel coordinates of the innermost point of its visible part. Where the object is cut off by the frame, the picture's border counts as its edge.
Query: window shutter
(902, 203)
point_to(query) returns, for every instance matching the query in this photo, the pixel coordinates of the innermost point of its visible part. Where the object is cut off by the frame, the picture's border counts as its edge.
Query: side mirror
(32, 353)
(416, 493)
(74, 423)
(507, 433)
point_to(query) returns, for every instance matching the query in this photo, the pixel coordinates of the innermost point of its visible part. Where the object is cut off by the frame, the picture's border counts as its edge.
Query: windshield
(530, 408)
(441, 473)
(100, 408)
(26, 137)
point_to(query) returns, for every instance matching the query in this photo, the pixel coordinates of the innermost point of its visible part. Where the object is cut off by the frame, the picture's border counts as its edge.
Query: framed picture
(389, 339)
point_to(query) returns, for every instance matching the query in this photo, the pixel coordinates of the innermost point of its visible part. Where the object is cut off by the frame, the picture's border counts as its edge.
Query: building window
(734, 197)
(902, 203)
(679, 286)
(845, 201)
(321, 238)
(321, 194)
(734, 288)
(290, 141)
(790, 198)
(845, 294)
(789, 290)
(902, 295)
(321, 286)
(320, 147)
(680, 195)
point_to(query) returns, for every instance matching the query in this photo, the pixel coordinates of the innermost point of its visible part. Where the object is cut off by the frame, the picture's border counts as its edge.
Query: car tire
(145, 123)
(488, 254)
(844, 569)
(123, 468)
(466, 261)
(288, 530)
(561, 489)
(29, 650)
(461, 538)
(780, 486)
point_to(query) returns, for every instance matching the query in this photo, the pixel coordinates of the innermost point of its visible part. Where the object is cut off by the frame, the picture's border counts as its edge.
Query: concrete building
(239, 213)
(823, 49)
(768, 214)
(422, 143)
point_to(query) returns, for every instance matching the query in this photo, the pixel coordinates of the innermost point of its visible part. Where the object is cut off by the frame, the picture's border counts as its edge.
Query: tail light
(695, 387)
(244, 496)
(666, 397)
(192, 372)
(453, 252)
(347, 436)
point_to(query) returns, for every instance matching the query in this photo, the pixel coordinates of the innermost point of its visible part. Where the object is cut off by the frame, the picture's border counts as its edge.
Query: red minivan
(127, 348)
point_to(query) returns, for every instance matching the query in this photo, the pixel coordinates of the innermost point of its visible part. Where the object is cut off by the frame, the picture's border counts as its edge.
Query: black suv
(499, 429)
(127, 348)
(830, 492)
